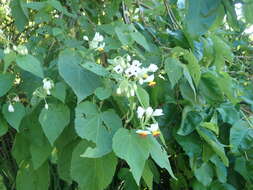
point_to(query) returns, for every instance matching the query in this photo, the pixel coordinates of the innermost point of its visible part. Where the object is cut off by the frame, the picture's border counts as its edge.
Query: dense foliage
(126, 94)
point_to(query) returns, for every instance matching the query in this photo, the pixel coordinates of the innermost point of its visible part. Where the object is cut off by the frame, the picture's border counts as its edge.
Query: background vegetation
(69, 114)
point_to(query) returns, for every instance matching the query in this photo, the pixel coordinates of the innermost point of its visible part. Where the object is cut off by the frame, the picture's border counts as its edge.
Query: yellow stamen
(145, 76)
(100, 49)
(153, 83)
(143, 134)
(156, 133)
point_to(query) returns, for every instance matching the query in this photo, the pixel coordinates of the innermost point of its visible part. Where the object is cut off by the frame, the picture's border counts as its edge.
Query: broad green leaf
(189, 79)
(82, 81)
(96, 68)
(30, 64)
(174, 70)
(103, 93)
(126, 175)
(198, 186)
(221, 186)
(28, 178)
(247, 8)
(19, 12)
(142, 96)
(14, 118)
(92, 173)
(211, 126)
(50, 122)
(3, 126)
(133, 149)
(229, 113)
(204, 174)
(123, 33)
(59, 91)
(241, 137)
(141, 40)
(200, 16)
(6, 82)
(148, 176)
(159, 155)
(190, 120)
(193, 67)
(97, 127)
(212, 140)
(221, 170)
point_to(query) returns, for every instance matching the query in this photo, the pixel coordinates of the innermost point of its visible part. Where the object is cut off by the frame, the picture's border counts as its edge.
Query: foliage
(126, 94)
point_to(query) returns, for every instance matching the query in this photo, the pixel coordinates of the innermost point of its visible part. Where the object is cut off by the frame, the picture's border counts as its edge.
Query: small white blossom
(16, 99)
(85, 38)
(132, 92)
(98, 37)
(118, 91)
(140, 112)
(158, 112)
(152, 68)
(136, 63)
(11, 108)
(153, 127)
(150, 78)
(149, 111)
(128, 58)
(47, 85)
(118, 69)
(46, 106)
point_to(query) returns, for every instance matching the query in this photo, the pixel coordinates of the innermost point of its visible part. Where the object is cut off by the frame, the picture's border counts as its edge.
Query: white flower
(47, 85)
(7, 50)
(93, 44)
(118, 91)
(132, 92)
(152, 68)
(143, 133)
(16, 99)
(85, 38)
(129, 72)
(158, 112)
(136, 63)
(149, 111)
(11, 108)
(140, 112)
(118, 69)
(98, 37)
(46, 106)
(128, 58)
(153, 127)
(150, 78)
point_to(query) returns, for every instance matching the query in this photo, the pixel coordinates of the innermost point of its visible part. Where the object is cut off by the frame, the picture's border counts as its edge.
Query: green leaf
(229, 113)
(59, 91)
(14, 118)
(212, 140)
(142, 96)
(97, 127)
(82, 81)
(31, 64)
(200, 16)
(247, 7)
(103, 93)
(3, 126)
(92, 173)
(241, 137)
(190, 120)
(53, 120)
(193, 67)
(28, 178)
(174, 70)
(126, 175)
(204, 174)
(159, 155)
(211, 126)
(221, 170)
(141, 40)
(6, 82)
(95, 68)
(134, 150)
(19, 12)
(148, 176)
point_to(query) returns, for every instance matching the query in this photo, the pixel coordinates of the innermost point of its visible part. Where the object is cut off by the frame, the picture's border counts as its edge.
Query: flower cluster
(145, 115)
(11, 107)
(97, 43)
(132, 71)
(20, 49)
(45, 90)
